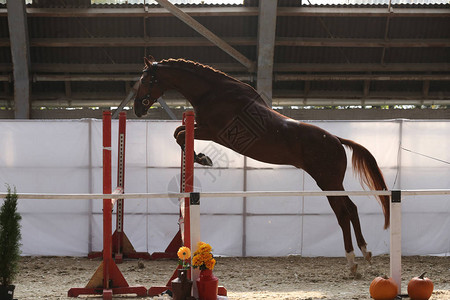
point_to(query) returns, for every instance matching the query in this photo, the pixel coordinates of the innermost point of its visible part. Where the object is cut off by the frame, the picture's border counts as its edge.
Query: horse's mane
(194, 67)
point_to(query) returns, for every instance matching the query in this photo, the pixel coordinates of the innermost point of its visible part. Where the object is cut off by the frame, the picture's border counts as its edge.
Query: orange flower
(210, 264)
(205, 248)
(196, 261)
(184, 253)
(203, 258)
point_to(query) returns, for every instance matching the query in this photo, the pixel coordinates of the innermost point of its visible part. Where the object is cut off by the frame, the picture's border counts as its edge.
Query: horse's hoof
(368, 257)
(353, 269)
(203, 160)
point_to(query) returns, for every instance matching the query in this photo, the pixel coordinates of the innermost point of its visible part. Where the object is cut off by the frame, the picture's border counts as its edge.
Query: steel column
(20, 51)
(266, 44)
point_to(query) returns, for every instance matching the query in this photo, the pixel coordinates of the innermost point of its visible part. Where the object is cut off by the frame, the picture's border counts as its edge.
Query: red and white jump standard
(107, 279)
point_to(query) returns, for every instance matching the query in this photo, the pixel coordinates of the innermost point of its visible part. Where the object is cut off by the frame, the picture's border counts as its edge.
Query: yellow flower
(196, 260)
(184, 253)
(199, 245)
(203, 258)
(205, 248)
(210, 264)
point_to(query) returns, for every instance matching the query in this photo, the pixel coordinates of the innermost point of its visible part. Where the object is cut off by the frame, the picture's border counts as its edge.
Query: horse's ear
(148, 61)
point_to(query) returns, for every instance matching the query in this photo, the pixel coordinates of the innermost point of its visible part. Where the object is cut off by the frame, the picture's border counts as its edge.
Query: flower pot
(181, 286)
(207, 285)
(7, 292)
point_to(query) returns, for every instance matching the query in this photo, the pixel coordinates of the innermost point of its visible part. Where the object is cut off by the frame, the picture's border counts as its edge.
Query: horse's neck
(187, 83)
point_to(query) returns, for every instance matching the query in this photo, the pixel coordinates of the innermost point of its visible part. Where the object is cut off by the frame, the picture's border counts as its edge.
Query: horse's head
(149, 89)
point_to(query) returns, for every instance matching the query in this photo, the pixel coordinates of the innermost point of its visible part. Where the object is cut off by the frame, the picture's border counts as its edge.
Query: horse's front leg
(199, 134)
(178, 130)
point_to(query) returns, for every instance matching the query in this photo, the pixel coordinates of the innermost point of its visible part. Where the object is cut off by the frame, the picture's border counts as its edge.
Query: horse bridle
(152, 71)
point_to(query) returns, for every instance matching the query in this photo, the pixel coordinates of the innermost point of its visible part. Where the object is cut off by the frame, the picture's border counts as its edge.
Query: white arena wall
(65, 156)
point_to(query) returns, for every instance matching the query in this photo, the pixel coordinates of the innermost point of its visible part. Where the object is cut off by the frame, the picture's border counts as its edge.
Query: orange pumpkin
(420, 288)
(383, 288)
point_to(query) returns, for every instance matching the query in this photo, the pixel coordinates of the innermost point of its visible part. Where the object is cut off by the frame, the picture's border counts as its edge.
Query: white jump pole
(195, 235)
(396, 239)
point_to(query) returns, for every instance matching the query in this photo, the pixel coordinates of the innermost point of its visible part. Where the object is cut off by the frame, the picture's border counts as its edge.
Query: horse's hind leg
(345, 210)
(338, 204)
(354, 218)
(328, 169)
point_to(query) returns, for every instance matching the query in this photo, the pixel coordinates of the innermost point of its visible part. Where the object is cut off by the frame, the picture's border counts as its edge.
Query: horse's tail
(369, 173)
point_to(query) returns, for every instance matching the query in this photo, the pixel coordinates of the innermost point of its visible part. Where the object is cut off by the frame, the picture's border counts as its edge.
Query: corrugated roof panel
(441, 86)
(284, 3)
(85, 27)
(299, 27)
(419, 28)
(42, 86)
(92, 55)
(231, 26)
(168, 27)
(5, 55)
(356, 27)
(200, 54)
(417, 55)
(133, 55)
(327, 55)
(373, 2)
(200, 3)
(337, 86)
(177, 2)
(4, 28)
(396, 86)
(227, 27)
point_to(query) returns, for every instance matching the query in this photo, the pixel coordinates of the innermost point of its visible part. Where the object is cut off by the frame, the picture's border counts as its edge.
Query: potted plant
(9, 244)
(207, 283)
(182, 286)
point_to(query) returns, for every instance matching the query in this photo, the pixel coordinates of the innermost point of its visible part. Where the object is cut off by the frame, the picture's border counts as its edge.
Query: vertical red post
(107, 279)
(189, 119)
(186, 186)
(107, 206)
(121, 184)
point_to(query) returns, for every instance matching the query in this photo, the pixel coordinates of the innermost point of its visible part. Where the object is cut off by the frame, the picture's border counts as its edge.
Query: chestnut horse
(233, 114)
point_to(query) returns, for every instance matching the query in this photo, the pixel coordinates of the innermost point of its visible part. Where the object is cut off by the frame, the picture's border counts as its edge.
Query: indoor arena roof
(357, 54)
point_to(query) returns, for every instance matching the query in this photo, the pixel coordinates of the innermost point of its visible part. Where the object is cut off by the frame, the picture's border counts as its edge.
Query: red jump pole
(107, 279)
(183, 237)
(107, 206)
(122, 247)
(188, 120)
(119, 233)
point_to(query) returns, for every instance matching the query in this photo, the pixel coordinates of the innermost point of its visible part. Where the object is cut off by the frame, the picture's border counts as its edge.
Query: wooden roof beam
(368, 11)
(191, 22)
(234, 41)
(362, 77)
(243, 77)
(238, 68)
